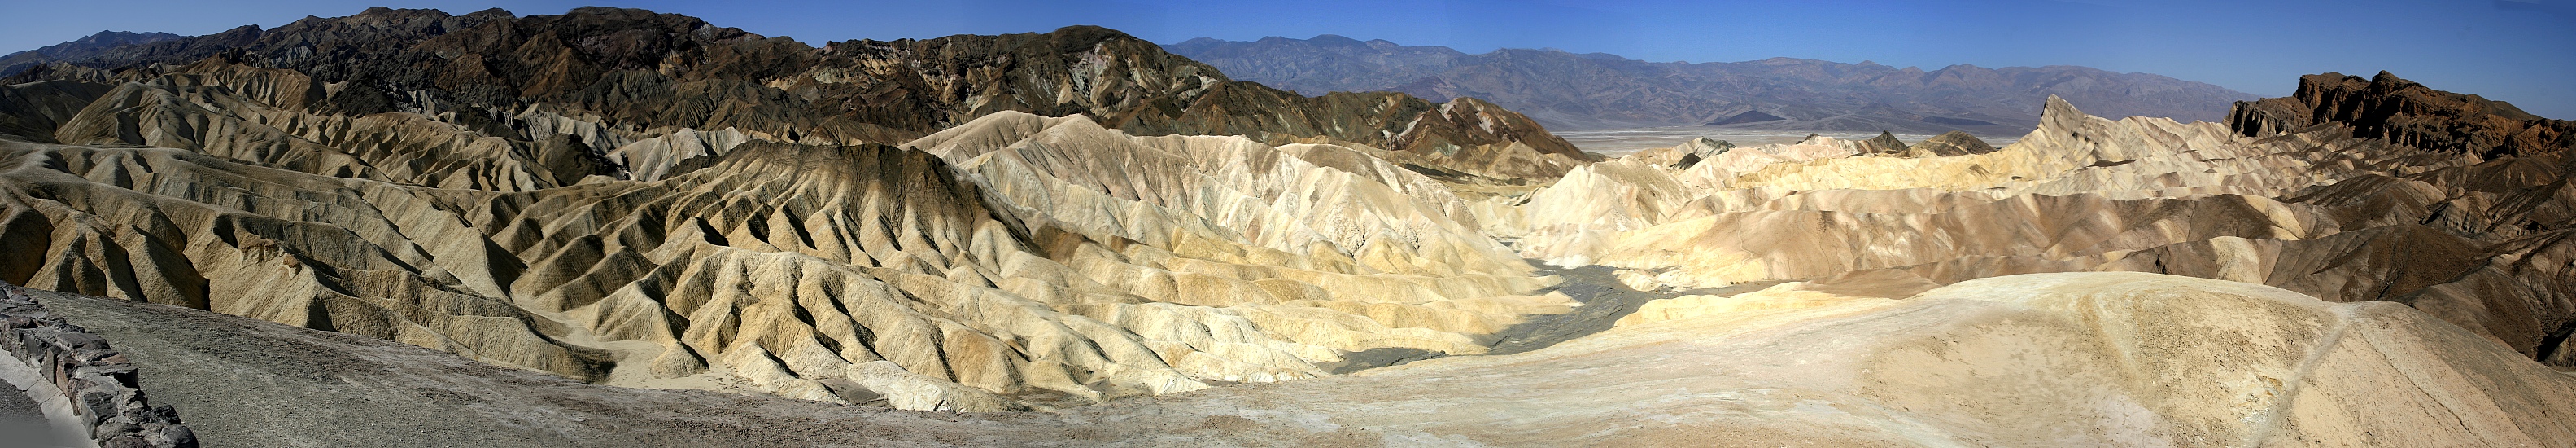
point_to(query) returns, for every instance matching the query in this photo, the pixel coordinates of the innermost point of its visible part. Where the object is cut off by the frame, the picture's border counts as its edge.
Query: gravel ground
(250, 383)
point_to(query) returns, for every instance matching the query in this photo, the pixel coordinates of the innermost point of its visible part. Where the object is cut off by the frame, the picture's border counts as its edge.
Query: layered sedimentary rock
(612, 77)
(985, 223)
(2318, 211)
(1045, 261)
(637, 199)
(2097, 359)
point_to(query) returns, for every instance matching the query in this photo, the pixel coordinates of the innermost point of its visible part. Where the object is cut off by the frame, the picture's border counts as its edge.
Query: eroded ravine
(1604, 299)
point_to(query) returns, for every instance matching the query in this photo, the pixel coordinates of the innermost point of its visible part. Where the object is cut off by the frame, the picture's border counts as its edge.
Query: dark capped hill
(2477, 178)
(641, 72)
(1593, 90)
(2405, 112)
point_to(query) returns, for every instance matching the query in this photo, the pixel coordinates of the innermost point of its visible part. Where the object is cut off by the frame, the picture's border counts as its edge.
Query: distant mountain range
(649, 74)
(1566, 90)
(77, 49)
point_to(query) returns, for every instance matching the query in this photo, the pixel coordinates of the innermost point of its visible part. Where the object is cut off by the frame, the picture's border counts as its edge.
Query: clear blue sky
(2522, 51)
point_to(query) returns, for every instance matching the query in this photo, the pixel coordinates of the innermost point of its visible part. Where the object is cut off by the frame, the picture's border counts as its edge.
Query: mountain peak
(1784, 88)
(77, 49)
(1334, 39)
(2059, 107)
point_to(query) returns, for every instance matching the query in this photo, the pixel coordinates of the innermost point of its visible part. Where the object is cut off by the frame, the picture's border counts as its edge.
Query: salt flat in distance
(1619, 142)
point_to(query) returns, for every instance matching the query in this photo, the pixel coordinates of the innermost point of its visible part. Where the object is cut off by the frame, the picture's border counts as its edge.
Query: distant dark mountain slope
(1568, 90)
(82, 48)
(636, 71)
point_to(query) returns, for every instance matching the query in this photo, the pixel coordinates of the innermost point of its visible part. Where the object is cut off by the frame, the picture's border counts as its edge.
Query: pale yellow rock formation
(2315, 211)
(654, 158)
(2069, 359)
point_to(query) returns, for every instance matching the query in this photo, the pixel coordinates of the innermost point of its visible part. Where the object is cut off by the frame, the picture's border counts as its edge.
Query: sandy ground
(1619, 142)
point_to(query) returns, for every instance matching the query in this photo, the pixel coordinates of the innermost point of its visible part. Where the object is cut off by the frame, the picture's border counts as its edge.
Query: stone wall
(101, 384)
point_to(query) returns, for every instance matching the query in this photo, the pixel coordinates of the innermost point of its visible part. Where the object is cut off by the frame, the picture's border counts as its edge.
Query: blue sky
(2522, 51)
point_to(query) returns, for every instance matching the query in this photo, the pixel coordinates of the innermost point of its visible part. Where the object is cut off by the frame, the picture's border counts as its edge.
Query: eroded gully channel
(1597, 287)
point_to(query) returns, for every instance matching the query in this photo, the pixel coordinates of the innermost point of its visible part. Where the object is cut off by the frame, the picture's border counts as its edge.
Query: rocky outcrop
(2406, 113)
(1884, 143)
(1948, 144)
(1685, 155)
(102, 385)
(1592, 91)
(612, 77)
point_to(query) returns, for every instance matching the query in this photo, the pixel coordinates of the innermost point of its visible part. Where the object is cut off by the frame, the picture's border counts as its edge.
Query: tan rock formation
(1104, 265)
(2317, 211)
(2091, 359)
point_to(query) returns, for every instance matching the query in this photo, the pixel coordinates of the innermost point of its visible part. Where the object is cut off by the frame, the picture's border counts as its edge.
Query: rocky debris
(612, 77)
(103, 385)
(2317, 211)
(2404, 112)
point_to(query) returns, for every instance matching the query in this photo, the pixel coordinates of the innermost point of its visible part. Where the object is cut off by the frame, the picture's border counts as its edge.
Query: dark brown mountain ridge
(81, 48)
(2405, 112)
(635, 73)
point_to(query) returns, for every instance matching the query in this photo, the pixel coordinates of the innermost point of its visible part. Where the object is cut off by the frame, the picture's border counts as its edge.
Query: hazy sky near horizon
(2523, 51)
